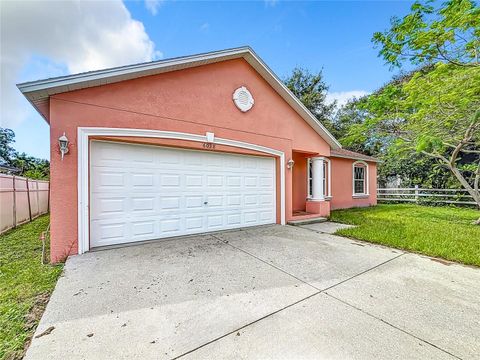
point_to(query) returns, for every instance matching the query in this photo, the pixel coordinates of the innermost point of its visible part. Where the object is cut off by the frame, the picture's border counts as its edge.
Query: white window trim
(309, 190)
(84, 134)
(366, 187)
(328, 189)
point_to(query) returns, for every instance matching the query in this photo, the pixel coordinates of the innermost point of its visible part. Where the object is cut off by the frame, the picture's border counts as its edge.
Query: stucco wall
(193, 100)
(342, 185)
(299, 182)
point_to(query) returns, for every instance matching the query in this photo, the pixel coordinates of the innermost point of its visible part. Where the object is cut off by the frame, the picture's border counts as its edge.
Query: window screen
(359, 180)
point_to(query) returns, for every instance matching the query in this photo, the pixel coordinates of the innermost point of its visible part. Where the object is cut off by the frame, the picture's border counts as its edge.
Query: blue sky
(335, 36)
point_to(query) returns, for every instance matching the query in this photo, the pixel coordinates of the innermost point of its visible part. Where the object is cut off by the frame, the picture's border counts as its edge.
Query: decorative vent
(243, 99)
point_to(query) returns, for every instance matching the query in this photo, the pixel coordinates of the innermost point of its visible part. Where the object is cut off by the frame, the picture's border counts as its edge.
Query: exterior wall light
(290, 164)
(63, 144)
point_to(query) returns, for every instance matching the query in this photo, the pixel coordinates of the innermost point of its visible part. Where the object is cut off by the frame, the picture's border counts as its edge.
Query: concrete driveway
(277, 292)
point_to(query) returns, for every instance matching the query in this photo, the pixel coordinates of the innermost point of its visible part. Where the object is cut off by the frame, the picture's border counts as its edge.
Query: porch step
(312, 220)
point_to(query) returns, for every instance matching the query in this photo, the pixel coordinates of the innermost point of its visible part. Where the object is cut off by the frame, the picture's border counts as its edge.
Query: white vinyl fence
(425, 196)
(21, 200)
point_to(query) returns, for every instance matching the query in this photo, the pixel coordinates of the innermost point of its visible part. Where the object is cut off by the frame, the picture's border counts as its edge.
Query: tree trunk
(475, 194)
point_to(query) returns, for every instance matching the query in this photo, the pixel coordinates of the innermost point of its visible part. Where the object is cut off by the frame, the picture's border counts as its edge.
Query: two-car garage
(140, 192)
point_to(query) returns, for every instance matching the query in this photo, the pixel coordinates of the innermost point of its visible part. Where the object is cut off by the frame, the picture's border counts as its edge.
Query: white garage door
(141, 192)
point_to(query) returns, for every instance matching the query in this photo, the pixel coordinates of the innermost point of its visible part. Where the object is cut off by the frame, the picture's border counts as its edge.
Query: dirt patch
(32, 319)
(441, 261)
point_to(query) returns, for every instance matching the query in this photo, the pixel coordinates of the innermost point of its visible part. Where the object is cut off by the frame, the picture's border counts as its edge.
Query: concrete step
(312, 220)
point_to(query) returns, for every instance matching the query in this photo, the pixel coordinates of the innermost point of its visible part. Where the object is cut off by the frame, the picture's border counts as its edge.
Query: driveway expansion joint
(363, 272)
(246, 325)
(267, 263)
(391, 325)
(319, 291)
(301, 280)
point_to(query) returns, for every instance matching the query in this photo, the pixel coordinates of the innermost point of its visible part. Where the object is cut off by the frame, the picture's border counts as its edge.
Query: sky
(45, 39)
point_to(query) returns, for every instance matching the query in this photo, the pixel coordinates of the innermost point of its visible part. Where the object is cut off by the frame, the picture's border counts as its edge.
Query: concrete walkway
(274, 292)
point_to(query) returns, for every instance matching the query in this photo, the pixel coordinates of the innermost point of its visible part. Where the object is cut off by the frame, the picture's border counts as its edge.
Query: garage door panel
(250, 217)
(143, 228)
(234, 219)
(157, 192)
(107, 178)
(110, 205)
(194, 223)
(193, 202)
(170, 180)
(108, 233)
(143, 181)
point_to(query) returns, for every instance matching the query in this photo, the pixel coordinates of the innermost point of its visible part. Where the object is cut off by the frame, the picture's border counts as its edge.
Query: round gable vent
(243, 99)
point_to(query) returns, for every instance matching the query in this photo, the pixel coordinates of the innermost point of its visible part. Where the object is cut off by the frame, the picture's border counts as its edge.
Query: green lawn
(444, 232)
(25, 285)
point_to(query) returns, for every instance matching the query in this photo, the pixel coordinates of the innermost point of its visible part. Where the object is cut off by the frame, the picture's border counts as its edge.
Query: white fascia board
(122, 72)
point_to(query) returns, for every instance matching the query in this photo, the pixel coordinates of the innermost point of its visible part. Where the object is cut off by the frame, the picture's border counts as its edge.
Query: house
(187, 145)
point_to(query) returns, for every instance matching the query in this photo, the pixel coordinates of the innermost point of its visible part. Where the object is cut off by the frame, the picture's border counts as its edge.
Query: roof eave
(355, 158)
(41, 90)
(309, 117)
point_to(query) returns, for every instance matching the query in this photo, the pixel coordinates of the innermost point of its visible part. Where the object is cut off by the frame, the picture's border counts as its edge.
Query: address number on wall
(209, 146)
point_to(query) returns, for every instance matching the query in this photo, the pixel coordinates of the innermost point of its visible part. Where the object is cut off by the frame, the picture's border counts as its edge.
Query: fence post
(48, 198)
(14, 203)
(38, 198)
(28, 197)
(416, 194)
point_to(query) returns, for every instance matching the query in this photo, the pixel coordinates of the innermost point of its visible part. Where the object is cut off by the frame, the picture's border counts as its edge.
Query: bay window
(324, 181)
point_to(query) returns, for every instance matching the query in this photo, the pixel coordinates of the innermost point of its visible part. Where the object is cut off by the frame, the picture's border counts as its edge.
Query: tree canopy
(448, 33)
(429, 117)
(312, 90)
(436, 113)
(28, 166)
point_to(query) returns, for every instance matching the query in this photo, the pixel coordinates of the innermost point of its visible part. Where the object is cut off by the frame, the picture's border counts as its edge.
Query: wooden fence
(425, 196)
(21, 200)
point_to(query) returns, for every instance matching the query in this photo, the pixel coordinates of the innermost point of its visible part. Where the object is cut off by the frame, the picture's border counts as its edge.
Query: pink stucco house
(187, 145)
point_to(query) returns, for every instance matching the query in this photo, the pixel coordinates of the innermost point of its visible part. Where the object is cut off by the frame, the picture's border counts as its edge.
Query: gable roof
(347, 154)
(38, 92)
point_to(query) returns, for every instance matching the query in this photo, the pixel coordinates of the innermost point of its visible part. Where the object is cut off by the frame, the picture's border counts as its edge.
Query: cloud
(342, 97)
(43, 39)
(270, 3)
(153, 6)
(204, 26)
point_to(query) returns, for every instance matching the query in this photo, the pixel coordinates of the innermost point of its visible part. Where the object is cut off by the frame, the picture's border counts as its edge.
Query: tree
(436, 111)
(29, 166)
(415, 169)
(449, 34)
(311, 90)
(353, 115)
(7, 152)
(444, 118)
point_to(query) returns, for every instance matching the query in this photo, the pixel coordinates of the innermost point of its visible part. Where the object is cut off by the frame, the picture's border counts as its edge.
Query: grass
(444, 232)
(25, 286)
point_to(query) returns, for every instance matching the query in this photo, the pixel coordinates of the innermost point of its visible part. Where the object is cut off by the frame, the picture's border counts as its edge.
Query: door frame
(83, 141)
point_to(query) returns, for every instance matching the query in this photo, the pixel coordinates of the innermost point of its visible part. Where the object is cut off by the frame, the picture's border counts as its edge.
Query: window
(324, 180)
(360, 181)
(326, 190)
(309, 178)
